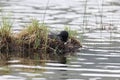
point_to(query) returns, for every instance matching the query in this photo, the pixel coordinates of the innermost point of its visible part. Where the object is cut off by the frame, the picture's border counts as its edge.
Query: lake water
(98, 20)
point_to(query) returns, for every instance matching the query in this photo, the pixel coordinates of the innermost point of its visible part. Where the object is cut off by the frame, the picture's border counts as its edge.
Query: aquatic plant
(33, 38)
(5, 34)
(74, 42)
(34, 41)
(39, 31)
(5, 27)
(72, 33)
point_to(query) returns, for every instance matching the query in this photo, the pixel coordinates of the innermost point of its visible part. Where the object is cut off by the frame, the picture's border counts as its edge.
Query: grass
(72, 33)
(73, 36)
(39, 31)
(5, 34)
(33, 41)
(5, 27)
(34, 37)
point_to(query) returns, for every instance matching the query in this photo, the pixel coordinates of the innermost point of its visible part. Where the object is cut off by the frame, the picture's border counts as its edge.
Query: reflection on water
(99, 58)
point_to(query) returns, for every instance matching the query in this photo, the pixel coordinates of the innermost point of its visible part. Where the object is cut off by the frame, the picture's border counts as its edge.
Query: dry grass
(5, 35)
(34, 41)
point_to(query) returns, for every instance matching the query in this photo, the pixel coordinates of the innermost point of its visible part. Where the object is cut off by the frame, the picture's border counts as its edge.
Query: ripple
(99, 59)
(101, 75)
(103, 55)
(10, 77)
(39, 79)
(29, 74)
(68, 69)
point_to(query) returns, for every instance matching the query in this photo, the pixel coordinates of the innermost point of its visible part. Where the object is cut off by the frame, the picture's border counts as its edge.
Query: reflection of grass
(5, 71)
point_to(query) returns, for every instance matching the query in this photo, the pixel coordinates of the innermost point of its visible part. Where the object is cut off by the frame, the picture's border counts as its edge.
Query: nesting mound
(29, 43)
(35, 41)
(43, 44)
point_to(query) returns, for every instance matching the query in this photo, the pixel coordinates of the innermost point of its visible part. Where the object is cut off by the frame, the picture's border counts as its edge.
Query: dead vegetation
(34, 42)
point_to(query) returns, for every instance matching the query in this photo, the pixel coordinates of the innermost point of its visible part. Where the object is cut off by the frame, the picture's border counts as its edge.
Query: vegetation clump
(33, 37)
(34, 41)
(6, 37)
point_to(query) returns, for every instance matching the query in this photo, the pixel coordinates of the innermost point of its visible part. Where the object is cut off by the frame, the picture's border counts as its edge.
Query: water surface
(99, 59)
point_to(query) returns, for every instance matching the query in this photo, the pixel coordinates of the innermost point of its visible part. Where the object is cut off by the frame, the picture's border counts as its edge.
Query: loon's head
(63, 36)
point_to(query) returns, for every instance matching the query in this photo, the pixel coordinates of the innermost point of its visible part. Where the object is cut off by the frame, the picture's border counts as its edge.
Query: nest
(35, 42)
(28, 43)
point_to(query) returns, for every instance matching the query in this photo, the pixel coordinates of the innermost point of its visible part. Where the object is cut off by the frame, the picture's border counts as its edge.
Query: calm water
(99, 59)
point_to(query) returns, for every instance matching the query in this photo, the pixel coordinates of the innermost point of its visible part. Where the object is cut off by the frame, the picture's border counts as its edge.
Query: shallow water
(99, 59)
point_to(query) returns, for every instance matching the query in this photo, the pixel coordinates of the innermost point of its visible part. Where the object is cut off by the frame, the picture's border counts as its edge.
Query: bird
(63, 36)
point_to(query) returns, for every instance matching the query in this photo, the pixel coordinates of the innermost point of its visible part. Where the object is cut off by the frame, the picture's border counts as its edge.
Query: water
(99, 59)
